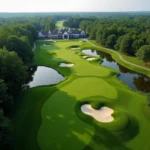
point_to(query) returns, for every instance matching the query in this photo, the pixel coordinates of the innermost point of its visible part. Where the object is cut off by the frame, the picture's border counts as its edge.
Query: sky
(74, 5)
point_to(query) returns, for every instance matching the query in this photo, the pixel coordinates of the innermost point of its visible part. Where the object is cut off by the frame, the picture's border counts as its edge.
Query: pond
(134, 80)
(40, 75)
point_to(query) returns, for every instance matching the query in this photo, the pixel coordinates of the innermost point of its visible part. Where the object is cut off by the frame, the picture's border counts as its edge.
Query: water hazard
(134, 80)
(40, 75)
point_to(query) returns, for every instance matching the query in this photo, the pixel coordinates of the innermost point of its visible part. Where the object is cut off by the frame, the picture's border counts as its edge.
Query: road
(34, 47)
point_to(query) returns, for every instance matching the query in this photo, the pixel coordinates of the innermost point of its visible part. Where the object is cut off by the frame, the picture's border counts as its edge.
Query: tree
(3, 95)
(111, 41)
(144, 53)
(21, 47)
(135, 45)
(118, 43)
(148, 99)
(26, 41)
(12, 71)
(84, 24)
(126, 45)
(20, 30)
(6, 100)
(5, 132)
(32, 30)
(93, 33)
(4, 33)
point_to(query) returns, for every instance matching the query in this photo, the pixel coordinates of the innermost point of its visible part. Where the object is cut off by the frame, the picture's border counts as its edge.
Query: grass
(59, 24)
(49, 117)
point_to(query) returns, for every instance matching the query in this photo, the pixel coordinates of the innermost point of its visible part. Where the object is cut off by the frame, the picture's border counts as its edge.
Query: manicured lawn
(50, 117)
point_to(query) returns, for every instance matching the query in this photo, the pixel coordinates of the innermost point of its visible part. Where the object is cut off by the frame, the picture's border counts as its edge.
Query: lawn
(49, 117)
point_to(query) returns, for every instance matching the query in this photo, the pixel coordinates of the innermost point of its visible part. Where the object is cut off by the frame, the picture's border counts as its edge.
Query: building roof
(75, 32)
(61, 31)
(45, 33)
(54, 32)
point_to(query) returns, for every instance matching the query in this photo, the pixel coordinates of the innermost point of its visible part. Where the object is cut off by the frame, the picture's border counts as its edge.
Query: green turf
(50, 117)
(59, 24)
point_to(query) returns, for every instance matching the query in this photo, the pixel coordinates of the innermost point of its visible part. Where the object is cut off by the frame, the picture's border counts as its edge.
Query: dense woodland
(16, 44)
(41, 23)
(129, 35)
(17, 37)
(74, 22)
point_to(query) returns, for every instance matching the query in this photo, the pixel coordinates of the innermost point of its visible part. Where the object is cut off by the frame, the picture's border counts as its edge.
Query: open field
(50, 117)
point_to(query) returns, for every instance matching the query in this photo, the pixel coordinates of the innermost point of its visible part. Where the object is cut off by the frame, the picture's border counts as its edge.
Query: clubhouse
(63, 34)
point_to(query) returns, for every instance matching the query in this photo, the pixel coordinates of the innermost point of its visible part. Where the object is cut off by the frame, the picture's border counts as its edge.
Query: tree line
(74, 22)
(41, 23)
(15, 51)
(129, 35)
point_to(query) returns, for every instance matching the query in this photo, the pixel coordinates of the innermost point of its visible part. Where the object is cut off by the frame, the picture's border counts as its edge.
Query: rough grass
(50, 117)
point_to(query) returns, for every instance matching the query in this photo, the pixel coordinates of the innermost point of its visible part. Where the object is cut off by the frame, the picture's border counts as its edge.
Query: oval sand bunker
(84, 56)
(75, 48)
(66, 65)
(102, 115)
(90, 59)
(46, 45)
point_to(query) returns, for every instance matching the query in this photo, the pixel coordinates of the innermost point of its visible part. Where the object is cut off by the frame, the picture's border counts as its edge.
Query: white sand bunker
(90, 59)
(102, 115)
(46, 45)
(66, 65)
(75, 48)
(84, 56)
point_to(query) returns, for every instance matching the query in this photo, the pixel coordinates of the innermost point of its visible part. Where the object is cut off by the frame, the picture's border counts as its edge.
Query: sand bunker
(66, 65)
(46, 45)
(101, 115)
(90, 59)
(84, 56)
(75, 48)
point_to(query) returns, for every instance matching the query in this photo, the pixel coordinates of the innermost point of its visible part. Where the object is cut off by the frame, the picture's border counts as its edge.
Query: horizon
(78, 11)
(75, 6)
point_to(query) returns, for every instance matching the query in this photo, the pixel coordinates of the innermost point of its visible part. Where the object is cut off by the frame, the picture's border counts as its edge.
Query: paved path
(34, 46)
(120, 57)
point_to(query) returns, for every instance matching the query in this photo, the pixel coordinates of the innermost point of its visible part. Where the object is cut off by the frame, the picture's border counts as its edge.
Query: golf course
(87, 109)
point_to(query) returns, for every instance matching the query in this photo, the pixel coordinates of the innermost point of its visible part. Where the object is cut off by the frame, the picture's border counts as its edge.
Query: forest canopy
(127, 34)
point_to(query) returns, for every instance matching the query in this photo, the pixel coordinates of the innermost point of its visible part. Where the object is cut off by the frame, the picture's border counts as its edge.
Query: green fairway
(59, 24)
(50, 117)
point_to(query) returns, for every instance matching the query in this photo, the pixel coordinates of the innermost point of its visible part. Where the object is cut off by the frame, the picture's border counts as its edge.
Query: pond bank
(122, 61)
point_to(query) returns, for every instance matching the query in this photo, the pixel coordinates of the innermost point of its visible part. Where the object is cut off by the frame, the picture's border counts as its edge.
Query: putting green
(53, 114)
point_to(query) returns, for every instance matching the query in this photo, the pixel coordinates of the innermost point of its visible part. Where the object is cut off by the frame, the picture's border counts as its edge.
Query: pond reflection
(134, 80)
(40, 75)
